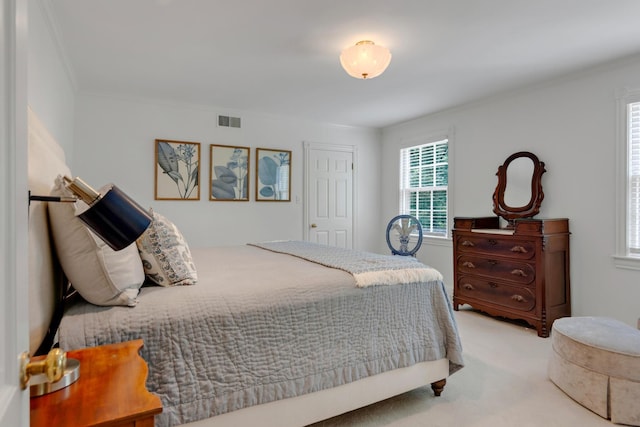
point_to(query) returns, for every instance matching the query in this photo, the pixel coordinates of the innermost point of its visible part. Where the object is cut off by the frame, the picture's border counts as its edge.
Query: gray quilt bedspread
(261, 326)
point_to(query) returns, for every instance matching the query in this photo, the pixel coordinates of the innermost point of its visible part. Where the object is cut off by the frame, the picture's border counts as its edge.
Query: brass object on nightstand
(52, 366)
(52, 373)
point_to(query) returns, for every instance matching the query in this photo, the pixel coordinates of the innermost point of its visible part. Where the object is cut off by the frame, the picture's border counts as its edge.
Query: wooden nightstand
(111, 391)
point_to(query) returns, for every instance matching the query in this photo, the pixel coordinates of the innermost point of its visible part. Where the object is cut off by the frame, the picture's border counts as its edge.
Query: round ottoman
(596, 361)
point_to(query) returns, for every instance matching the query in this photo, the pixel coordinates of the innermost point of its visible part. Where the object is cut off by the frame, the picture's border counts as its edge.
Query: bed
(270, 334)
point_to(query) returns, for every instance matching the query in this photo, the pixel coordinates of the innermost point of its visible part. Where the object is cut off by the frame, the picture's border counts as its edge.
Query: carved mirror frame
(510, 213)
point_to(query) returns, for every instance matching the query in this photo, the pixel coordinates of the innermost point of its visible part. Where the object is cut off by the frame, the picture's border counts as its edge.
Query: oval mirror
(519, 190)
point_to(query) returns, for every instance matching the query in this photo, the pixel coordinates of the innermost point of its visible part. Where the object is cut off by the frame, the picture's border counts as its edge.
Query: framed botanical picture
(229, 173)
(273, 175)
(177, 170)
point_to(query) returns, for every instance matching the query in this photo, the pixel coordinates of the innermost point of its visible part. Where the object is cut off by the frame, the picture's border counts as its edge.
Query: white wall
(115, 140)
(570, 125)
(51, 91)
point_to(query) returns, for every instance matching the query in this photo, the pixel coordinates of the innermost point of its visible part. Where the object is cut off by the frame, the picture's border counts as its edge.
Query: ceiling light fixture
(365, 60)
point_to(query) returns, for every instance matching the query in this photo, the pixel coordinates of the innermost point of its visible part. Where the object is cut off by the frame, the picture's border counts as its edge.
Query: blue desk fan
(399, 232)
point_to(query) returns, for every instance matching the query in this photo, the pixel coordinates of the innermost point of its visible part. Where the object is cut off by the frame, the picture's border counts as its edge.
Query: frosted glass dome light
(365, 60)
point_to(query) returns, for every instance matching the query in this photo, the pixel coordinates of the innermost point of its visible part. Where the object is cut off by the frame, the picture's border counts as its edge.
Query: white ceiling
(282, 56)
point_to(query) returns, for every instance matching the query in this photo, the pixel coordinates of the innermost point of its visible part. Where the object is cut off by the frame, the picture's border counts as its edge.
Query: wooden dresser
(519, 273)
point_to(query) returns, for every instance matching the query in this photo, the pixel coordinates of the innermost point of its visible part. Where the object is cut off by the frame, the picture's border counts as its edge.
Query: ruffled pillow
(165, 255)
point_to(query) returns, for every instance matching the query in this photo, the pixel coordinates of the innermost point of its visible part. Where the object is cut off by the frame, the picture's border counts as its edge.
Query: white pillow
(165, 255)
(101, 275)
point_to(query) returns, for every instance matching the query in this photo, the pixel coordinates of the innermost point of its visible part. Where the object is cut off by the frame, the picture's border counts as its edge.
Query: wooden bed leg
(438, 386)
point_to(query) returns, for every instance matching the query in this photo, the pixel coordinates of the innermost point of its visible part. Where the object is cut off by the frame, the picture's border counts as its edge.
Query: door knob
(314, 225)
(52, 366)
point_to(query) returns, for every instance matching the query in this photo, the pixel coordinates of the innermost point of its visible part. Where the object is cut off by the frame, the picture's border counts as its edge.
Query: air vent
(228, 122)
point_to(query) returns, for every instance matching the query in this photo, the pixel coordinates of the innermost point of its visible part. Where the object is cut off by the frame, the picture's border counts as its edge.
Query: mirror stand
(520, 177)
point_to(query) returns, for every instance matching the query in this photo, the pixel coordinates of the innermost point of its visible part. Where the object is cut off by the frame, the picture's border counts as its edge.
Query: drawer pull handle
(468, 264)
(492, 242)
(518, 298)
(468, 286)
(493, 284)
(519, 249)
(518, 272)
(467, 243)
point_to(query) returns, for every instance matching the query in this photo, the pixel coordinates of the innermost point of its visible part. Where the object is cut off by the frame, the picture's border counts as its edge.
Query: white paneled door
(329, 176)
(14, 333)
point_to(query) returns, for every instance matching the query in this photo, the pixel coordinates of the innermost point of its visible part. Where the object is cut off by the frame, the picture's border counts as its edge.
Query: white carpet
(503, 384)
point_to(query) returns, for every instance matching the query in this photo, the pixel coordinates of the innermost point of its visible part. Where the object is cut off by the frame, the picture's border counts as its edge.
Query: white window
(424, 185)
(628, 191)
(633, 193)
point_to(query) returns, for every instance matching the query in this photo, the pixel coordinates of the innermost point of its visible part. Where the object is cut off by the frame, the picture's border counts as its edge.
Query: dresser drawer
(501, 269)
(520, 298)
(508, 247)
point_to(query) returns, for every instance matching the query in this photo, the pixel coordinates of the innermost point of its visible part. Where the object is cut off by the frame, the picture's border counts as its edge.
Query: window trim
(621, 258)
(439, 135)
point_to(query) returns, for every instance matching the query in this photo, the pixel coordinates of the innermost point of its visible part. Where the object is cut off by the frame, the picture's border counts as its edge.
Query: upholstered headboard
(46, 161)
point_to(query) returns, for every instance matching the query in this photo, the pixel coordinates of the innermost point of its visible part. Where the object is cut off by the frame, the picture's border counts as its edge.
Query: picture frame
(229, 173)
(273, 175)
(177, 170)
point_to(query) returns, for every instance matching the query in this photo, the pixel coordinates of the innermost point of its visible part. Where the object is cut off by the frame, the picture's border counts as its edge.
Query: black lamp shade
(116, 218)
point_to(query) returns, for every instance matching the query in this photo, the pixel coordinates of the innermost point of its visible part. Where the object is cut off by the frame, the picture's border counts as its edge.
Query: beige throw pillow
(101, 275)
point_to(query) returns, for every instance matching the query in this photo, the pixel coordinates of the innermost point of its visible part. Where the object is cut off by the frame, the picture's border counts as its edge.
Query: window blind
(633, 202)
(424, 176)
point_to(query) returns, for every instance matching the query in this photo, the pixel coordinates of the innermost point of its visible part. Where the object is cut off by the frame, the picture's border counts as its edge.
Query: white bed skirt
(313, 407)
